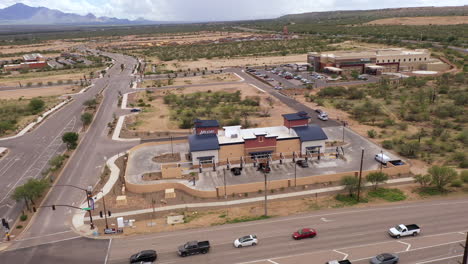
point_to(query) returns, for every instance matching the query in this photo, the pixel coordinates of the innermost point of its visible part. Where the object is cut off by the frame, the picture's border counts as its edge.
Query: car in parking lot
(278, 88)
(135, 110)
(245, 241)
(236, 171)
(298, 77)
(270, 79)
(323, 116)
(385, 258)
(304, 233)
(145, 255)
(288, 77)
(263, 167)
(302, 163)
(345, 261)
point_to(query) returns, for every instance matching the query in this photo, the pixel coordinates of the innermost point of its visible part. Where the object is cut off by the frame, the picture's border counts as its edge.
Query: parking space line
(404, 243)
(344, 254)
(429, 261)
(271, 261)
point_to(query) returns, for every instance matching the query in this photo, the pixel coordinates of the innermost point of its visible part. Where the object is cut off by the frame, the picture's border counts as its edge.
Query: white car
(323, 116)
(245, 241)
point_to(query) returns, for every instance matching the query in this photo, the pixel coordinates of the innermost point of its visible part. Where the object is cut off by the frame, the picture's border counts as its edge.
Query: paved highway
(30, 153)
(357, 233)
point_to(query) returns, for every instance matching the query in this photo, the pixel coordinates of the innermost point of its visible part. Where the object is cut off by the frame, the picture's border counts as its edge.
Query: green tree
(86, 118)
(424, 180)
(350, 183)
(30, 191)
(71, 139)
(355, 74)
(376, 177)
(441, 176)
(56, 162)
(36, 105)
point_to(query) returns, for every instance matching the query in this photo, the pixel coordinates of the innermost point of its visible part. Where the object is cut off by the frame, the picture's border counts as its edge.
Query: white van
(382, 158)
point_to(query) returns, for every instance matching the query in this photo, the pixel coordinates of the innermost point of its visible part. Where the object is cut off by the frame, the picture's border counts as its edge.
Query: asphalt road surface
(353, 233)
(29, 155)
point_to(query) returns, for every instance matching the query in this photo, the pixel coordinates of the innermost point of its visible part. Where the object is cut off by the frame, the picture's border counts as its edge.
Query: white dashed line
(344, 254)
(404, 243)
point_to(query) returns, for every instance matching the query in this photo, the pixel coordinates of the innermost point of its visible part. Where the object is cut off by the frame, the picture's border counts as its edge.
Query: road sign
(86, 209)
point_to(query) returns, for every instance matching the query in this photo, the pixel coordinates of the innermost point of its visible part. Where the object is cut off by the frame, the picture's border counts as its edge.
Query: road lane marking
(51, 242)
(271, 261)
(241, 79)
(108, 250)
(429, 261)
(41, 236)
(404, 243)
(325, 220)
(344, 254)
(438, 245)
(288, 219)
(258, 88)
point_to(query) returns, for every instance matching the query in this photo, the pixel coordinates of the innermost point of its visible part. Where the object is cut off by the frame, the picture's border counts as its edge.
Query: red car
(304, 233)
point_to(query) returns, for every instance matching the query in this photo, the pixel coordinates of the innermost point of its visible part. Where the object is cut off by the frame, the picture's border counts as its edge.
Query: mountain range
(21, 14)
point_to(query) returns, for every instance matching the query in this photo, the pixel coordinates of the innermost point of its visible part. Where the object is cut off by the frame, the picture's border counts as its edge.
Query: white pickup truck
(404, 230)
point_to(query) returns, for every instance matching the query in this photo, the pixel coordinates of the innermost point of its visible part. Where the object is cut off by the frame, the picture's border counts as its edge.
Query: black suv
(145, 255)
(236, 171)
(302, 163)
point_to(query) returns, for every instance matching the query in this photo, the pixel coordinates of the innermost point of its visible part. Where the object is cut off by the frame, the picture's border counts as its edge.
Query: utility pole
(343, 130)
(266, 206)
(360, 177)
(295, 174)
(225, 191)
(105, 210)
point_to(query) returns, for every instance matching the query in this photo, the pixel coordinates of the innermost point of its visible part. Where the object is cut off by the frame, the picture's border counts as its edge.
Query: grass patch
(430, 191)
(190, 216)
(247, 219)
(391, 195)
(347, 200)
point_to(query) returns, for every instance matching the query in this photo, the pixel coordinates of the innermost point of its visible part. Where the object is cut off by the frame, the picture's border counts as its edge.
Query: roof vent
(233, 135)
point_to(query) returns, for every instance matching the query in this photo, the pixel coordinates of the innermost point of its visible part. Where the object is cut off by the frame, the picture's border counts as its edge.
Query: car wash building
(296, 137)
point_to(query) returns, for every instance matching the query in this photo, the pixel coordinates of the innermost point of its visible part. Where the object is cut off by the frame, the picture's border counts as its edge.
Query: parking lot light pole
(360, 176)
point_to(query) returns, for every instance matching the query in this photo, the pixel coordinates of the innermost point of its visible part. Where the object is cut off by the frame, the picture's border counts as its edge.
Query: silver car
(385, 258)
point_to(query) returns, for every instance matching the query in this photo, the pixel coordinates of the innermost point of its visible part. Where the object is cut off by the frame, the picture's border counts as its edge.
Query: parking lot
(328, 164)
(288, 76)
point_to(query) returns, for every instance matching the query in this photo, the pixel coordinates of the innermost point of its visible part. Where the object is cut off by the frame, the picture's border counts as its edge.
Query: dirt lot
(36, 92)
(241, 62)
(49, 45)
(435, 20)
(156, 117)
(216, 78)
(44, 77)
(358, 46)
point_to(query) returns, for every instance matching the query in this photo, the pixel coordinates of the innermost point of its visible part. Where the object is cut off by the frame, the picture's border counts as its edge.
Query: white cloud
(211, 10)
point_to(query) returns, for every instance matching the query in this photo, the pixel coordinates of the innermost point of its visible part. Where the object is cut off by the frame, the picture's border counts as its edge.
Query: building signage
(207, 132)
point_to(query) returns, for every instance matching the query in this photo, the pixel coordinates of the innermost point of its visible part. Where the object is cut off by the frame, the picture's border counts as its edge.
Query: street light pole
(360, 177)
(266, 206)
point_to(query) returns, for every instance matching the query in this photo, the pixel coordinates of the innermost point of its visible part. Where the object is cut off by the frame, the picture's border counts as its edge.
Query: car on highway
(245, 241)
(304, 233)
(135, 110)
(270, 79)
(302, 163)
(385, 258)
(278, 88)
(145, 255)
(404, 230)
(339, 262)
(194, 247)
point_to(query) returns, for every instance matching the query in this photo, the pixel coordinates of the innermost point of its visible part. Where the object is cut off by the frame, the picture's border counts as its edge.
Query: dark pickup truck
(194, 247)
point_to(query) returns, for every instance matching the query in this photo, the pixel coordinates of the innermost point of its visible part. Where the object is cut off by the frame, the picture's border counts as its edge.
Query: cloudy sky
(216, 10)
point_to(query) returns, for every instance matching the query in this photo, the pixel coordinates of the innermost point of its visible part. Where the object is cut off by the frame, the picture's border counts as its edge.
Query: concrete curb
(38, 120)
(118, 128)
